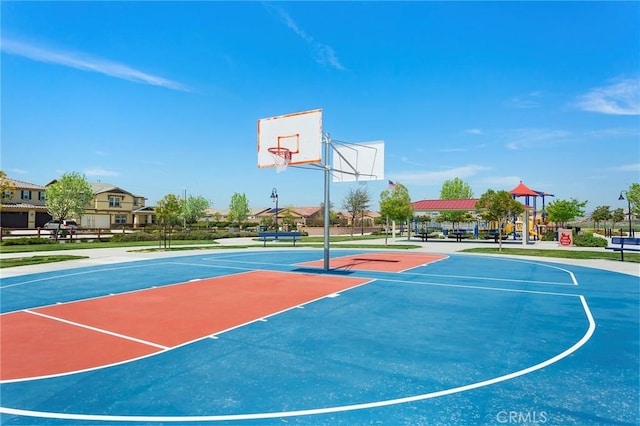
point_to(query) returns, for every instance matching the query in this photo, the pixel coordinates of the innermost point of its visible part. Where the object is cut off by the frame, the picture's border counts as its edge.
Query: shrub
(194, 235)
(135, 236)
(27, 241)
(589, 240)
(549, 236)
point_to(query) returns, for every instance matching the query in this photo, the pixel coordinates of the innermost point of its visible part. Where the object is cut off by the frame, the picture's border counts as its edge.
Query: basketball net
(281, 158)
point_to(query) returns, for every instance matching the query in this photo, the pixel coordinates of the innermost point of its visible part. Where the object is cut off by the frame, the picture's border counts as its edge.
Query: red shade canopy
(523, 190)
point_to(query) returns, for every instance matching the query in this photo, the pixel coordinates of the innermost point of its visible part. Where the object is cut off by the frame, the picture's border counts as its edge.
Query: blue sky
(164, 97)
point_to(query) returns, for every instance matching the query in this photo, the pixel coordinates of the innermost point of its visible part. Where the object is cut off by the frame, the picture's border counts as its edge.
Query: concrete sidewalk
(131, 254)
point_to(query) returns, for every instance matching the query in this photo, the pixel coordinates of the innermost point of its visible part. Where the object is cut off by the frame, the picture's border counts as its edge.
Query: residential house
(293, 217)
(222, 215)
(115, 207)
(364, 219)
(24, 207)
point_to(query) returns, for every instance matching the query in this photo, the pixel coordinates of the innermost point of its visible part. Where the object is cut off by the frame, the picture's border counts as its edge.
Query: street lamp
(274, 197)
(620, 198)
(362, 219)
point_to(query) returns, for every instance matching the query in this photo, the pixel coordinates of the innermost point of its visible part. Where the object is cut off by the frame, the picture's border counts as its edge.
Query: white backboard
(299, 134)
(358, 162)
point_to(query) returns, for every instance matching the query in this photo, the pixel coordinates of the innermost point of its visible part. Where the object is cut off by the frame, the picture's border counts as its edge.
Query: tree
(455, 189)
(617, 215)
(333, 215)
(239, 208)
(193, 208)
(601, 214)
(68, 197)
(287, 218)
(633, 193)
(168, 213)
(6, 186)
(395, 204)
(563, 211)
(355, 202)
(499, 207)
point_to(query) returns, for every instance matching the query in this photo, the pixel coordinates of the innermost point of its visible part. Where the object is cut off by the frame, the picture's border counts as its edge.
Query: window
(121, 219)
(7, 194)
(41, 196)
(114, 202)
(135, 201)
(26, 194)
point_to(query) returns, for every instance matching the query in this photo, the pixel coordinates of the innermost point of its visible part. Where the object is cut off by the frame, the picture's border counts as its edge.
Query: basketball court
(269, 337)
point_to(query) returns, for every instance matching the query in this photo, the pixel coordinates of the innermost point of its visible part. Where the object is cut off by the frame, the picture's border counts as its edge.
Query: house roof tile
(439, 205)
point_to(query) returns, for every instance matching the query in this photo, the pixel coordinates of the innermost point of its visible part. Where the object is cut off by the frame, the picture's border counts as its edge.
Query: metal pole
(621, 197)
(629, 209)
(327, 204)
(274, 197)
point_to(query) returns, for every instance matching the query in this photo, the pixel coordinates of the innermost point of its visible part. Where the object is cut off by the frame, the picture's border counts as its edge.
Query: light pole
(620, 198)
(274, 197)
(362, 220)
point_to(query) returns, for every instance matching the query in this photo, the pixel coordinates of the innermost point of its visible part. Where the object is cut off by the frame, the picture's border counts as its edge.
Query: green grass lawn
(94, 245)
(563, 254)
(36, 260)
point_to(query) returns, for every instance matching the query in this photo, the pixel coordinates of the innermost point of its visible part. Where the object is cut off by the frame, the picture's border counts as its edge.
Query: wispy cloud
(518, 139)
(526, 101)
(626, 168)
(453, 150)
(85, 62)
(474, 131)
(432, 177)
(100, 172)
(322, 54)
(620, 97)
(17, 171)
(614, 132)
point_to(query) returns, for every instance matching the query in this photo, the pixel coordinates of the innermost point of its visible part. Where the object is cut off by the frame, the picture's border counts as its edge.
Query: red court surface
(111, 329)
(384, 262)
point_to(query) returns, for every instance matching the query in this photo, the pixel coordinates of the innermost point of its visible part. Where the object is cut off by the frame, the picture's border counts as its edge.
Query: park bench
(458, 234)
(623, 244)
(422, 234)
(278, 236)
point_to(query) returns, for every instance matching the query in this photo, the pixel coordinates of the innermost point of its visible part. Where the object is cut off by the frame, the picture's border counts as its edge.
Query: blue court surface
(463, 340)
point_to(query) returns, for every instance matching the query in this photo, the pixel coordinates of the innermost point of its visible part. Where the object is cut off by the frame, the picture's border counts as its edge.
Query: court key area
(269, 337)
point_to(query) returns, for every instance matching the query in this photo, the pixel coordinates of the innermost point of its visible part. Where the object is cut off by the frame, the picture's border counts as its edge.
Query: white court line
(444, 257)
(513, 280)
(547, 265)
(335, 409)
(472, 287)
(99, 330)
(93, 271)
(128, 292)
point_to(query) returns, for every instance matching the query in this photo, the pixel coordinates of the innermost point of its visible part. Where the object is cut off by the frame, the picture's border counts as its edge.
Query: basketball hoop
(281, 157)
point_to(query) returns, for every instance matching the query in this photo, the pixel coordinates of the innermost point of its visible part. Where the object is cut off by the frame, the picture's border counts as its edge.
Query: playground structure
(478, 229)
(524, 226)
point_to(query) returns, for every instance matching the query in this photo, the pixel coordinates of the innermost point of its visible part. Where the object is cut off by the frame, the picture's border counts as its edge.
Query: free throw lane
(88, 334)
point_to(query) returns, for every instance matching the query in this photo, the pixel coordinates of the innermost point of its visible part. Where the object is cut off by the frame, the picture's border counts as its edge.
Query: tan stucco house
(24, 206)
(115, 207)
